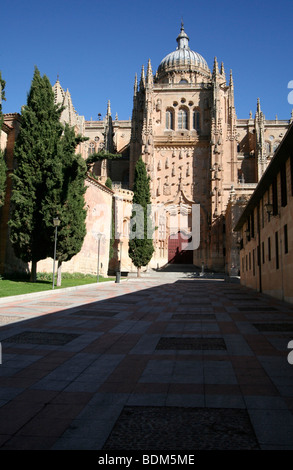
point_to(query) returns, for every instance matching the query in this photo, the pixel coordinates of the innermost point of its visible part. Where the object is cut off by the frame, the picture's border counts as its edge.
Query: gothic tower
(184, 126)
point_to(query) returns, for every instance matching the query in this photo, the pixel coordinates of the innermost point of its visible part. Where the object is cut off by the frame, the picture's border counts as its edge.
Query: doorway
(176, 253)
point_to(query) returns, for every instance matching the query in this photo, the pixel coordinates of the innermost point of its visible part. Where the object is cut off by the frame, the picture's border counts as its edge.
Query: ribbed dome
(183, 57)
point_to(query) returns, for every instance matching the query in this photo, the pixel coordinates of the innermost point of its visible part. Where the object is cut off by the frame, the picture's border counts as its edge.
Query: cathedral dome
(183, 58)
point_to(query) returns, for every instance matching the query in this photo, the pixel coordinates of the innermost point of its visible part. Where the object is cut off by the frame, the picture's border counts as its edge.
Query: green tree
(141, 243)
(99, 156)
(2, 159)
(70, 207)
(108, 183)
(38, 177)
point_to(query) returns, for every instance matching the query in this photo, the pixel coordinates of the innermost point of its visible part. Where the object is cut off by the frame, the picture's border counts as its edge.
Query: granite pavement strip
(115, 365)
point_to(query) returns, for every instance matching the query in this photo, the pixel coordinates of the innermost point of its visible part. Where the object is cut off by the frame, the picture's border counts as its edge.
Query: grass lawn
(14, 286)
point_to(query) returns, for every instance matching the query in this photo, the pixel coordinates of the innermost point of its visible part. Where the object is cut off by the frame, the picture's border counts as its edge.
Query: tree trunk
(138, 271)
(33, 277)
(59, 273)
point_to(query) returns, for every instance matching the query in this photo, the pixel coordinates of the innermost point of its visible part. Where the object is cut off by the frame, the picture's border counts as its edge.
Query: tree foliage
(99, 156)
(38, 176)
(71, 204)
(48, 181)
(141, 243)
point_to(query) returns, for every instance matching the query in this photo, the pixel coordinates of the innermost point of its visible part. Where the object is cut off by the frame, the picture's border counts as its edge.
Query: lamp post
(118, 273)
(99, 236)
(56, 223)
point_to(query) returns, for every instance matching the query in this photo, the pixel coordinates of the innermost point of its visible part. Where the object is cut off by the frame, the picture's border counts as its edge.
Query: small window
(196, 120)
(269, 248)
(263, 252)
(252, 225)
(285, 239)
(169, 119)
(268, 148)
(275, 196)
(182, 119)
(277, 249)
(283, 185)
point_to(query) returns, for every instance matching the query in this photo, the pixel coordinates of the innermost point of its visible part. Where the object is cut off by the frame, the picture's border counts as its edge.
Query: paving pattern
(159, 363)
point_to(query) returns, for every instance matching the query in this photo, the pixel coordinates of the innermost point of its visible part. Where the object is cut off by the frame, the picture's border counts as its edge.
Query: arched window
(268, 148)
(169, 119)
(182, 119)
(182, 81)
(196, 120)
(91, 148)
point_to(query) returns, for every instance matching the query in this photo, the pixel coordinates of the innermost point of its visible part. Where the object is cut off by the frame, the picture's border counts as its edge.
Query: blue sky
(97, 46)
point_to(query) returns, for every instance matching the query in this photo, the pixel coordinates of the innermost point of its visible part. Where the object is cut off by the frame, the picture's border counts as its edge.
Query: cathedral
(203, 162)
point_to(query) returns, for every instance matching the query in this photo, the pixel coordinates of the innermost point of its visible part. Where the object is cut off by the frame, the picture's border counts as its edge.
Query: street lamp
(270, 209)
(56, 223)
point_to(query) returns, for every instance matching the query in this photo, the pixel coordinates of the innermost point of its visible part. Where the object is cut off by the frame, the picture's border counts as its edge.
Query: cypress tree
(38, 176)
(140, 246)
(2, 159)
(71, 204)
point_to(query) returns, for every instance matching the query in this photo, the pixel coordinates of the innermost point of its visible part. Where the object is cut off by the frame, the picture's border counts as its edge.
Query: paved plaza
(165, 362)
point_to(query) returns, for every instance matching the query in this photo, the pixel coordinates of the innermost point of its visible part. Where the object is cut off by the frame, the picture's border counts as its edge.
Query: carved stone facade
(184, 124)
(197, 154)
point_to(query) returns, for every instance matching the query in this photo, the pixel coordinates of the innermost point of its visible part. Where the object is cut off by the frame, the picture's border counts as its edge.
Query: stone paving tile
(188, 428)
(71, 395)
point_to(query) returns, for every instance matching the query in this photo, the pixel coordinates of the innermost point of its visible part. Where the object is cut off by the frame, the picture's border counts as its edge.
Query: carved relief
(167, 189)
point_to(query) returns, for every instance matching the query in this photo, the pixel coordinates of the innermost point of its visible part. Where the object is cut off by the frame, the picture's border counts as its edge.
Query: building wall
(200, 165)
(266, 259)
(98, 201)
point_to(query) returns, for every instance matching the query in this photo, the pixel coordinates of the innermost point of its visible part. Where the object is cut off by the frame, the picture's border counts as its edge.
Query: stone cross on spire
(182, 39)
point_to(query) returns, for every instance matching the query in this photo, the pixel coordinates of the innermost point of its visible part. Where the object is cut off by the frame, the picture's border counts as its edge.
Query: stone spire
(258, 110)
(223, 71)
(260, 141)
(182, 39)
(150, 79)
(135, 85)
(108, 108)
(108, 131)
(215, 69)
(142, 78)
(231, 82)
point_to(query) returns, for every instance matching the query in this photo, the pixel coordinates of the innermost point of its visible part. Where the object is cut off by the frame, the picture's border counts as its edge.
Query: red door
(176, 255)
